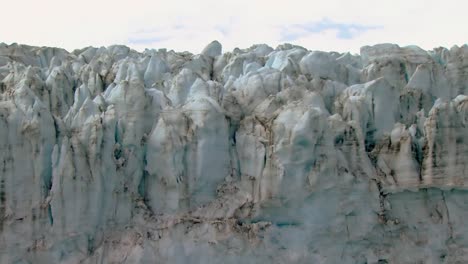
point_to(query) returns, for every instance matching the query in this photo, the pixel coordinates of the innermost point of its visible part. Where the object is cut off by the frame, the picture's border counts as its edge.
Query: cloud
(151, 40)
(343, 30)
(226, 26)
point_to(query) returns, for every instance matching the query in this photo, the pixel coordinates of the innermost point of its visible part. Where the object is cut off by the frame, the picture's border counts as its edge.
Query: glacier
(257, 155)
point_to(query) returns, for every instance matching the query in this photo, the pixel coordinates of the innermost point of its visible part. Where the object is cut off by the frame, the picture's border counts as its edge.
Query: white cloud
(190, 25)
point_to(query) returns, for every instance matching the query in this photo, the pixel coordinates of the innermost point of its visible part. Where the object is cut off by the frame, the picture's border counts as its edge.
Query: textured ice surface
(260, 155)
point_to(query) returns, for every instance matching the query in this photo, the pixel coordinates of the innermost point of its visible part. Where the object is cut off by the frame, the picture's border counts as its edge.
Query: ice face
(257, 155)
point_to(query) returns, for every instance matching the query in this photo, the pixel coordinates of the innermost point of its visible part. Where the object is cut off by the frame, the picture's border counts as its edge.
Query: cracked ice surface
(258, 155)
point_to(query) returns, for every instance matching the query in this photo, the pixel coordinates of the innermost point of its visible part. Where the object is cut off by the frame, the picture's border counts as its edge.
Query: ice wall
(260, 155)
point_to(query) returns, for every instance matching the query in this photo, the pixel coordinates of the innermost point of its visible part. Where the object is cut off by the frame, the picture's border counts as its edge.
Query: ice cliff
(258, 155)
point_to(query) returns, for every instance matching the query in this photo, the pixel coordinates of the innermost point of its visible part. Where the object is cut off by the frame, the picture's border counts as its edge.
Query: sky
(189, 25)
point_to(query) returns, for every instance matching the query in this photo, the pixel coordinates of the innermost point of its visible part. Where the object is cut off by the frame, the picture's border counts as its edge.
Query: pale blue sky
(343, 30)
(338, 25)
